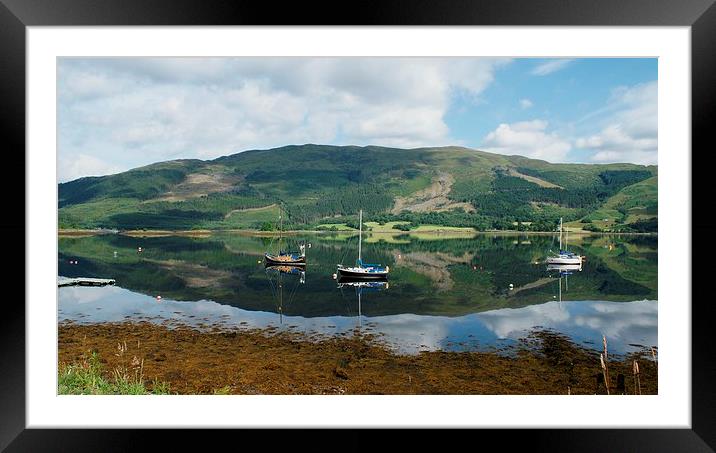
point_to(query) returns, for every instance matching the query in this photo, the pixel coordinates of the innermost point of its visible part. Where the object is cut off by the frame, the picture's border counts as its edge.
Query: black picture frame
(16, 15)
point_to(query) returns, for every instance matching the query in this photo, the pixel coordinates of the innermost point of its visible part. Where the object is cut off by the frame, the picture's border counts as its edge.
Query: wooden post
(604, 372)
(605, 363)
(637, 380)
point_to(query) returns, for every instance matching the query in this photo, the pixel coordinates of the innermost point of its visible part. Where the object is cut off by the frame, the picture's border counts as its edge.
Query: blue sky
(120, 113)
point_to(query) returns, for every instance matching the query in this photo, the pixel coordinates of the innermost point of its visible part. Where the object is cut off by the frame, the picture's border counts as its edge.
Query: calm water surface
(443, 293)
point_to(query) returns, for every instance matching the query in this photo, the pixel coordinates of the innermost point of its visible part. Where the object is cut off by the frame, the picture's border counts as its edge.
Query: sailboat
(283, 257)
(564, 256)
(361, 270)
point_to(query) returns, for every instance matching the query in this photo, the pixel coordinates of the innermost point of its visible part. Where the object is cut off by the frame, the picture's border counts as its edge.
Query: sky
(115, 114)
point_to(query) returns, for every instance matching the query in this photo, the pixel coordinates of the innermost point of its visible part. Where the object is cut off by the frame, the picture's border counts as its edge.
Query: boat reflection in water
(360, 286)
(563, 270)
(278, 277)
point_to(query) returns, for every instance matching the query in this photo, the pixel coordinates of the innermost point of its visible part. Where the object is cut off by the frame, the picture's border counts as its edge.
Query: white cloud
(550, 67)
(83, 165)
(528, 138)
(143, 110)
(630, 127)
(525, 104)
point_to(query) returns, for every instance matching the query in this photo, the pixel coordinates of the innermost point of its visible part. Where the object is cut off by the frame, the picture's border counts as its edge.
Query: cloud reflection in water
(623, 323)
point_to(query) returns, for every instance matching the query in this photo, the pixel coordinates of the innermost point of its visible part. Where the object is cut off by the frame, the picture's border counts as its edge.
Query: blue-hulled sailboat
(361, 270)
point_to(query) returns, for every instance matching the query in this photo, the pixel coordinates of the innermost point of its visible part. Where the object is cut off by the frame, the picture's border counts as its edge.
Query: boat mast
(280, 299)
(560, 287)
(280, 228)
(360, 291)
(566, 239)
(360, 233)
(560, 234)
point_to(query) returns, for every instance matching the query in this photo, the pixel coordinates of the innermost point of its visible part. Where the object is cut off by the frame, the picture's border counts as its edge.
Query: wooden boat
(361, 270)
(286, 258)
(283, 257)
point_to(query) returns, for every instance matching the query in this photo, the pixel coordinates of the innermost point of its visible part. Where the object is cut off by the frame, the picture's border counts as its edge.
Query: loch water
(445, 291)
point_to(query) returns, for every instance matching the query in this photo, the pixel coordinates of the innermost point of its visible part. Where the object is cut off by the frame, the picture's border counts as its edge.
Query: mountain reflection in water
(443, 294)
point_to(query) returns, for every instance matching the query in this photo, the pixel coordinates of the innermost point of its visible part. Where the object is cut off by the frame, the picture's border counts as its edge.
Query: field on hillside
(324, 187)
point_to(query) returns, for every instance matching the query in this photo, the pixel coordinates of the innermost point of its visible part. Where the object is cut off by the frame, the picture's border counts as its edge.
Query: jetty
(84, 281)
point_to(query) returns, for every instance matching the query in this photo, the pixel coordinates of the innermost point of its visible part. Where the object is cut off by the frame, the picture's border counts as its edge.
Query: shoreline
(204, 233)
(264, 361)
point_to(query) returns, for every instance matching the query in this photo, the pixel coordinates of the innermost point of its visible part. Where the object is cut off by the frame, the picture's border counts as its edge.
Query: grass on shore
(86, 378)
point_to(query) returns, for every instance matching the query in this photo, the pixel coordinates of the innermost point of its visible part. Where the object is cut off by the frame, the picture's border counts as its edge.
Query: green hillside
(322, 185)
(636, 206)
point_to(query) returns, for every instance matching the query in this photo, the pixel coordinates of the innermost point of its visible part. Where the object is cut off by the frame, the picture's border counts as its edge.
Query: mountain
(320, 185)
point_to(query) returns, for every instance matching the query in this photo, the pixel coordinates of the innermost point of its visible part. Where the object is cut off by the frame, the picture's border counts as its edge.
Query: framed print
(208, 188)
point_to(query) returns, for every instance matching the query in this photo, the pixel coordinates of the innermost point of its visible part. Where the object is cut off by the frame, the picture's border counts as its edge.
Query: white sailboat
(564, 256)
(362, 270)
